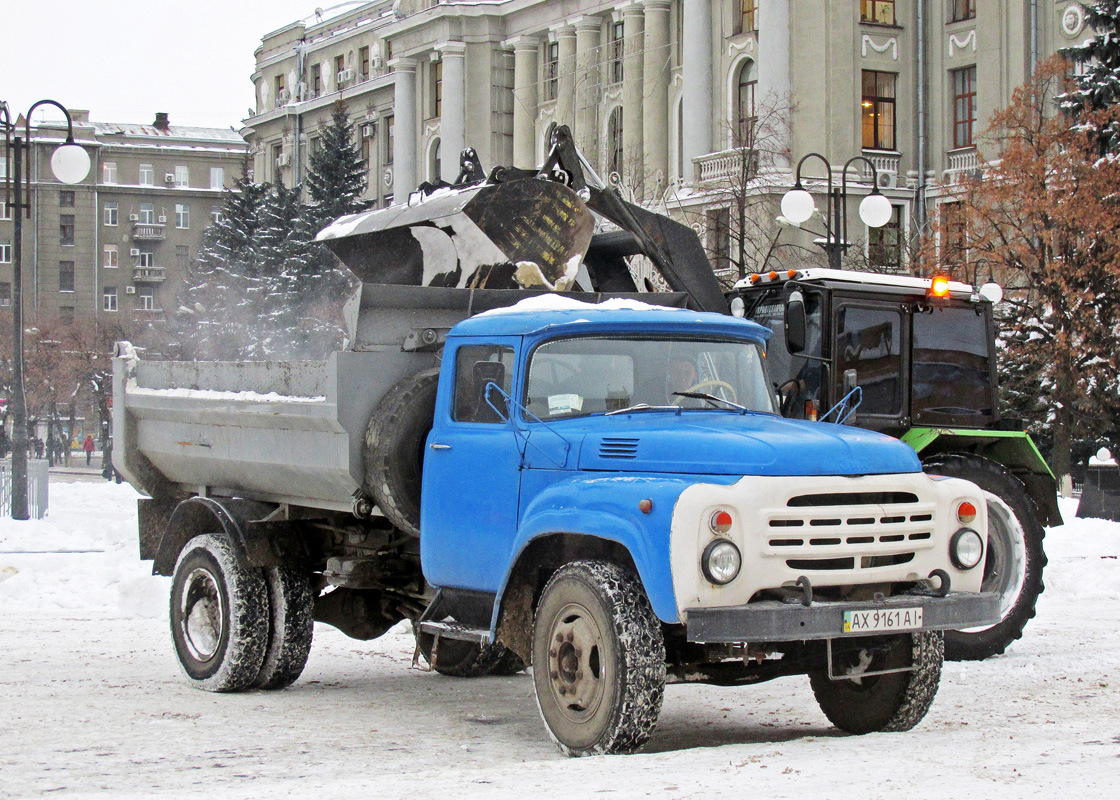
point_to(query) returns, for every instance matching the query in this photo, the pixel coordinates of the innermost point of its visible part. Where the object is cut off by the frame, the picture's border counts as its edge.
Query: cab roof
(817, 275)
(549, 312)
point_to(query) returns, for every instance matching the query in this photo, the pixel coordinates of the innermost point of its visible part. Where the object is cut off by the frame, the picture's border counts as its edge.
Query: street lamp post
(70, 164)
(798, 206)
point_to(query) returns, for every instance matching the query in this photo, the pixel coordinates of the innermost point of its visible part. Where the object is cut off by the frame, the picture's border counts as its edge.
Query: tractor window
(869, 340)
(952, 382)
(802, 400)
(476, 366)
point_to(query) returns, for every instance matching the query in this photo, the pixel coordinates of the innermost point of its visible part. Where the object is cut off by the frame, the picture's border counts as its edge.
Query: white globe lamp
(798, 206)
(70, 163)
(875, 210)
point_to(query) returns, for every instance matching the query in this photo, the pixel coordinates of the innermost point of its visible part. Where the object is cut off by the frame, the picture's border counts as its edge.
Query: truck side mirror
(796, 322)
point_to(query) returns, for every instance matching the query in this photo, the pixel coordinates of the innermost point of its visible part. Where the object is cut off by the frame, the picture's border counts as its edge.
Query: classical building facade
(660, 93)
(119, 242)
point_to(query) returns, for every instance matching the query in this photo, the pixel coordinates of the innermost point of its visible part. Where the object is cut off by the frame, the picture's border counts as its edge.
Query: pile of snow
(555, 302)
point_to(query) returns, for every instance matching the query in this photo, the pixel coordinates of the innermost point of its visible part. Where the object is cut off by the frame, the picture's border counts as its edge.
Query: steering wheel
(713, 384)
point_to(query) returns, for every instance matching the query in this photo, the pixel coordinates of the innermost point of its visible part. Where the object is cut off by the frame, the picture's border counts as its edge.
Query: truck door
(871, 346)
(468, 513)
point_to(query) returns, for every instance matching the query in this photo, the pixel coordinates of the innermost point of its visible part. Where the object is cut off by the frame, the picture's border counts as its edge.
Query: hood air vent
(618, 448)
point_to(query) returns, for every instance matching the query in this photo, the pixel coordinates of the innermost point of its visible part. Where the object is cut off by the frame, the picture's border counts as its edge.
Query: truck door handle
(437, 446)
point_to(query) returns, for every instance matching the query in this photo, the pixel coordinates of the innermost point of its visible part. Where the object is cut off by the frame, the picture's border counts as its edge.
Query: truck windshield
(589, 375)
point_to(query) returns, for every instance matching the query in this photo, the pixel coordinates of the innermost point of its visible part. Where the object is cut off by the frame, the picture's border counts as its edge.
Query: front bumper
(774, 621)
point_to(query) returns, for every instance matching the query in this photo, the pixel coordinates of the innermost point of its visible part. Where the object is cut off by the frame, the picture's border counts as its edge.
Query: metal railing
(37, 481)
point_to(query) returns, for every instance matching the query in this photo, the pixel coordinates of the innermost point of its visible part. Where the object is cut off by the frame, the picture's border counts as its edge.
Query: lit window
(109, 298)
(880, 12)
(110, 256)
(147, 175)
(964, 106)
(182, 215)
(109, 213)
(877, 110)
(109, 172)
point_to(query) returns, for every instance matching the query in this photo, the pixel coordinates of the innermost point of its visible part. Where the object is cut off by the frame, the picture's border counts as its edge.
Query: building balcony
(886, 164)
(726, 166)
(147, 231)
(148, 275)
(962, 163)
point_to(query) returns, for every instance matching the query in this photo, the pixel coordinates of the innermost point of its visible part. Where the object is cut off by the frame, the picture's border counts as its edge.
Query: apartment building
(120, 242)
(660, 93)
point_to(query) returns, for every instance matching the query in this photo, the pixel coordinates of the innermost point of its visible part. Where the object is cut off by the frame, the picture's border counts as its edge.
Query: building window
(339, 66)
(66, 276)
(109, 298)
(182, 215)
(66, 229)
(614, 142)
(880, 12)
(719, 238)
(551, 70)
(215, 215)
(109, 172)
(884, 245)
(217, 177)
(878, 110)
(109, 213)
(110, 261)
(5, 253)
(66, 199)
(281, 93)
(954, 227)
(147, 175)
(5, 210)
(316, 80)
(363, 63)
(5, 294)
(147, 258)
(66, 314)
(147, 214)
(182, 257)
(435, 167)
(748, 16)
(437, 88)
(964, 106)
(182, 176)
(617, 49)
(960, 10)
(388, 140)
(745, 119)
(147, 297)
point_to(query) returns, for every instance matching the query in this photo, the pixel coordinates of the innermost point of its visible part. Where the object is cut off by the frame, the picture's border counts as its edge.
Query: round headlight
(721, 562)
(738, 307)
(966, 549)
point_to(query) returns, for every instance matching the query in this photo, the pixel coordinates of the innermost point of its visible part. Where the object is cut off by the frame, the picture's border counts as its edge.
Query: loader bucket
(520, 234)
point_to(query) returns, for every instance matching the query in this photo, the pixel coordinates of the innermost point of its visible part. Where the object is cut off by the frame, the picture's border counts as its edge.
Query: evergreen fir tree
(1098, 84)
(336, 176)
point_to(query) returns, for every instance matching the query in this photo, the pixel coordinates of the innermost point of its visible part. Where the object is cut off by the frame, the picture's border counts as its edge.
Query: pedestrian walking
(87, 446)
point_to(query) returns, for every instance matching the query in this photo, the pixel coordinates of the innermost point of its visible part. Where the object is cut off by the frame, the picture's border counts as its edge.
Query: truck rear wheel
(598, 660)
(896, 701)
(219, 616)
(394, 451)
(1014, 561)
(291, 625)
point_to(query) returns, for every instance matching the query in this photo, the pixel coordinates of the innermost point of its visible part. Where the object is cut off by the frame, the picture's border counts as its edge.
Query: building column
(587, 85)
(406, 133)
(452, 122)
(773, 52)
(633, 29)
(525, 99)
(566, 88)
(697, 89)
(656, 74)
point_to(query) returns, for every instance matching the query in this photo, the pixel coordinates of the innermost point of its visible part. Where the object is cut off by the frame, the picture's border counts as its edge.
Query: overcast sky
(124, 60)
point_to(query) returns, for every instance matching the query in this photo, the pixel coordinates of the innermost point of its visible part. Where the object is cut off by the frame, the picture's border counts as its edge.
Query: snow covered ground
(92, 702)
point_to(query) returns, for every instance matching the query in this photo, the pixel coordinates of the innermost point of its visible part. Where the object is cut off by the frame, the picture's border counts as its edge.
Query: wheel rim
(201, 615)
(576, 667)
(1004, 564)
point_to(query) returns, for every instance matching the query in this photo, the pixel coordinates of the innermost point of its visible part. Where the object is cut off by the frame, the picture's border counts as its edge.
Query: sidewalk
(78, 466)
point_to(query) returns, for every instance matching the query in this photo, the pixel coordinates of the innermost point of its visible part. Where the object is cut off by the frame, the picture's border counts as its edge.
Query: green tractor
(915, 358)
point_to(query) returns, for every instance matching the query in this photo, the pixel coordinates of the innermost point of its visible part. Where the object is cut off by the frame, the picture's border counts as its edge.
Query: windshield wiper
(642, 407)
(711, 398)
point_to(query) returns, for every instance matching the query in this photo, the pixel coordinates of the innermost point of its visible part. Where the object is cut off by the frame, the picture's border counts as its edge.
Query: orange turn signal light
(939, 287)
(966, 513)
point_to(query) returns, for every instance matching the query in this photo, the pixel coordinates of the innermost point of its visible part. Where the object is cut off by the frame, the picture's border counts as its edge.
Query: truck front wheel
(859, 701)
(1014, 561)
(219, 616)
(598, 660)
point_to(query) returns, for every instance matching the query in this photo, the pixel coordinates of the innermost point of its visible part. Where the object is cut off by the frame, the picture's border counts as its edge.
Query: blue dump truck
(540, 465)
(606, 493)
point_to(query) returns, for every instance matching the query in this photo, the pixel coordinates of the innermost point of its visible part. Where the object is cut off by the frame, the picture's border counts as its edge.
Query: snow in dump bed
(215, 394)
(555, 302)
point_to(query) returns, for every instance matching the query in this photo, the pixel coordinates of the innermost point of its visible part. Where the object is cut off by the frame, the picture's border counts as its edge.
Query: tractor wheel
(1015, 558)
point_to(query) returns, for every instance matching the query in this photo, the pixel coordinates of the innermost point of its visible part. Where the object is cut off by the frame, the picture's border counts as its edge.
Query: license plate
(872, 621)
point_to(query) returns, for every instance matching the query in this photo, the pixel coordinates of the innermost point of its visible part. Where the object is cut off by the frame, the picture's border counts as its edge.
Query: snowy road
(91, 702)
